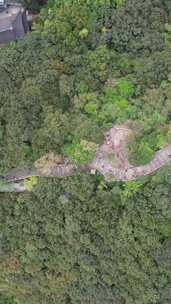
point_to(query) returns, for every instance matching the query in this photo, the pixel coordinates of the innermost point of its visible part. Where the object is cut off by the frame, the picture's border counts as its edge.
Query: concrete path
(115, 142)
(110, 160)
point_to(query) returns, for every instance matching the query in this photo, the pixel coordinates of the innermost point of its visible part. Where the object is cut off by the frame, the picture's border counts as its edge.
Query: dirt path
(110, 160)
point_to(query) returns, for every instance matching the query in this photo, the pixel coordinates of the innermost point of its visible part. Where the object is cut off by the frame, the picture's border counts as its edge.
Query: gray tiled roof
(5, 24)
(11, 23)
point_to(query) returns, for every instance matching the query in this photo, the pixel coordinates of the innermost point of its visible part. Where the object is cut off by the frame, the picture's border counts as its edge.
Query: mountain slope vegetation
(86, 66)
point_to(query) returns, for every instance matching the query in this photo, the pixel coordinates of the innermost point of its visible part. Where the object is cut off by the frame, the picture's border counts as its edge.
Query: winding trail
(119, 168)
(110, 160)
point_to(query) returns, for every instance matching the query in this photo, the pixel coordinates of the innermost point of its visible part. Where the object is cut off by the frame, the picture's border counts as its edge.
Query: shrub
(81, 151)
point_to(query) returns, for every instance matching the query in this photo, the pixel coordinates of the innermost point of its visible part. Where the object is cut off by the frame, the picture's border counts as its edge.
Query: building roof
(11, 23)
(8, 16)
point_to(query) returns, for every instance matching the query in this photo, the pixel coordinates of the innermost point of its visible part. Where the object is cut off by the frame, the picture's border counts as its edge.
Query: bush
(81, 152)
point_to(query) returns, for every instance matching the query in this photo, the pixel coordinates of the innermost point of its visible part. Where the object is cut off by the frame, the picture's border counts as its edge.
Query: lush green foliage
(30, 183)
(7, 300)
(86, 66)
(33, 6)
(80, 152)
(80, 240)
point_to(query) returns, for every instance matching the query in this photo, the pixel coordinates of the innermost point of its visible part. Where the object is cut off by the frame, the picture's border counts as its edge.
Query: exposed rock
(44, 163)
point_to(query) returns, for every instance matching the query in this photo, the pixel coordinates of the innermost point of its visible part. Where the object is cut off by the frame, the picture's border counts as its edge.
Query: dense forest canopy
(86, 66)
(33, 6)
